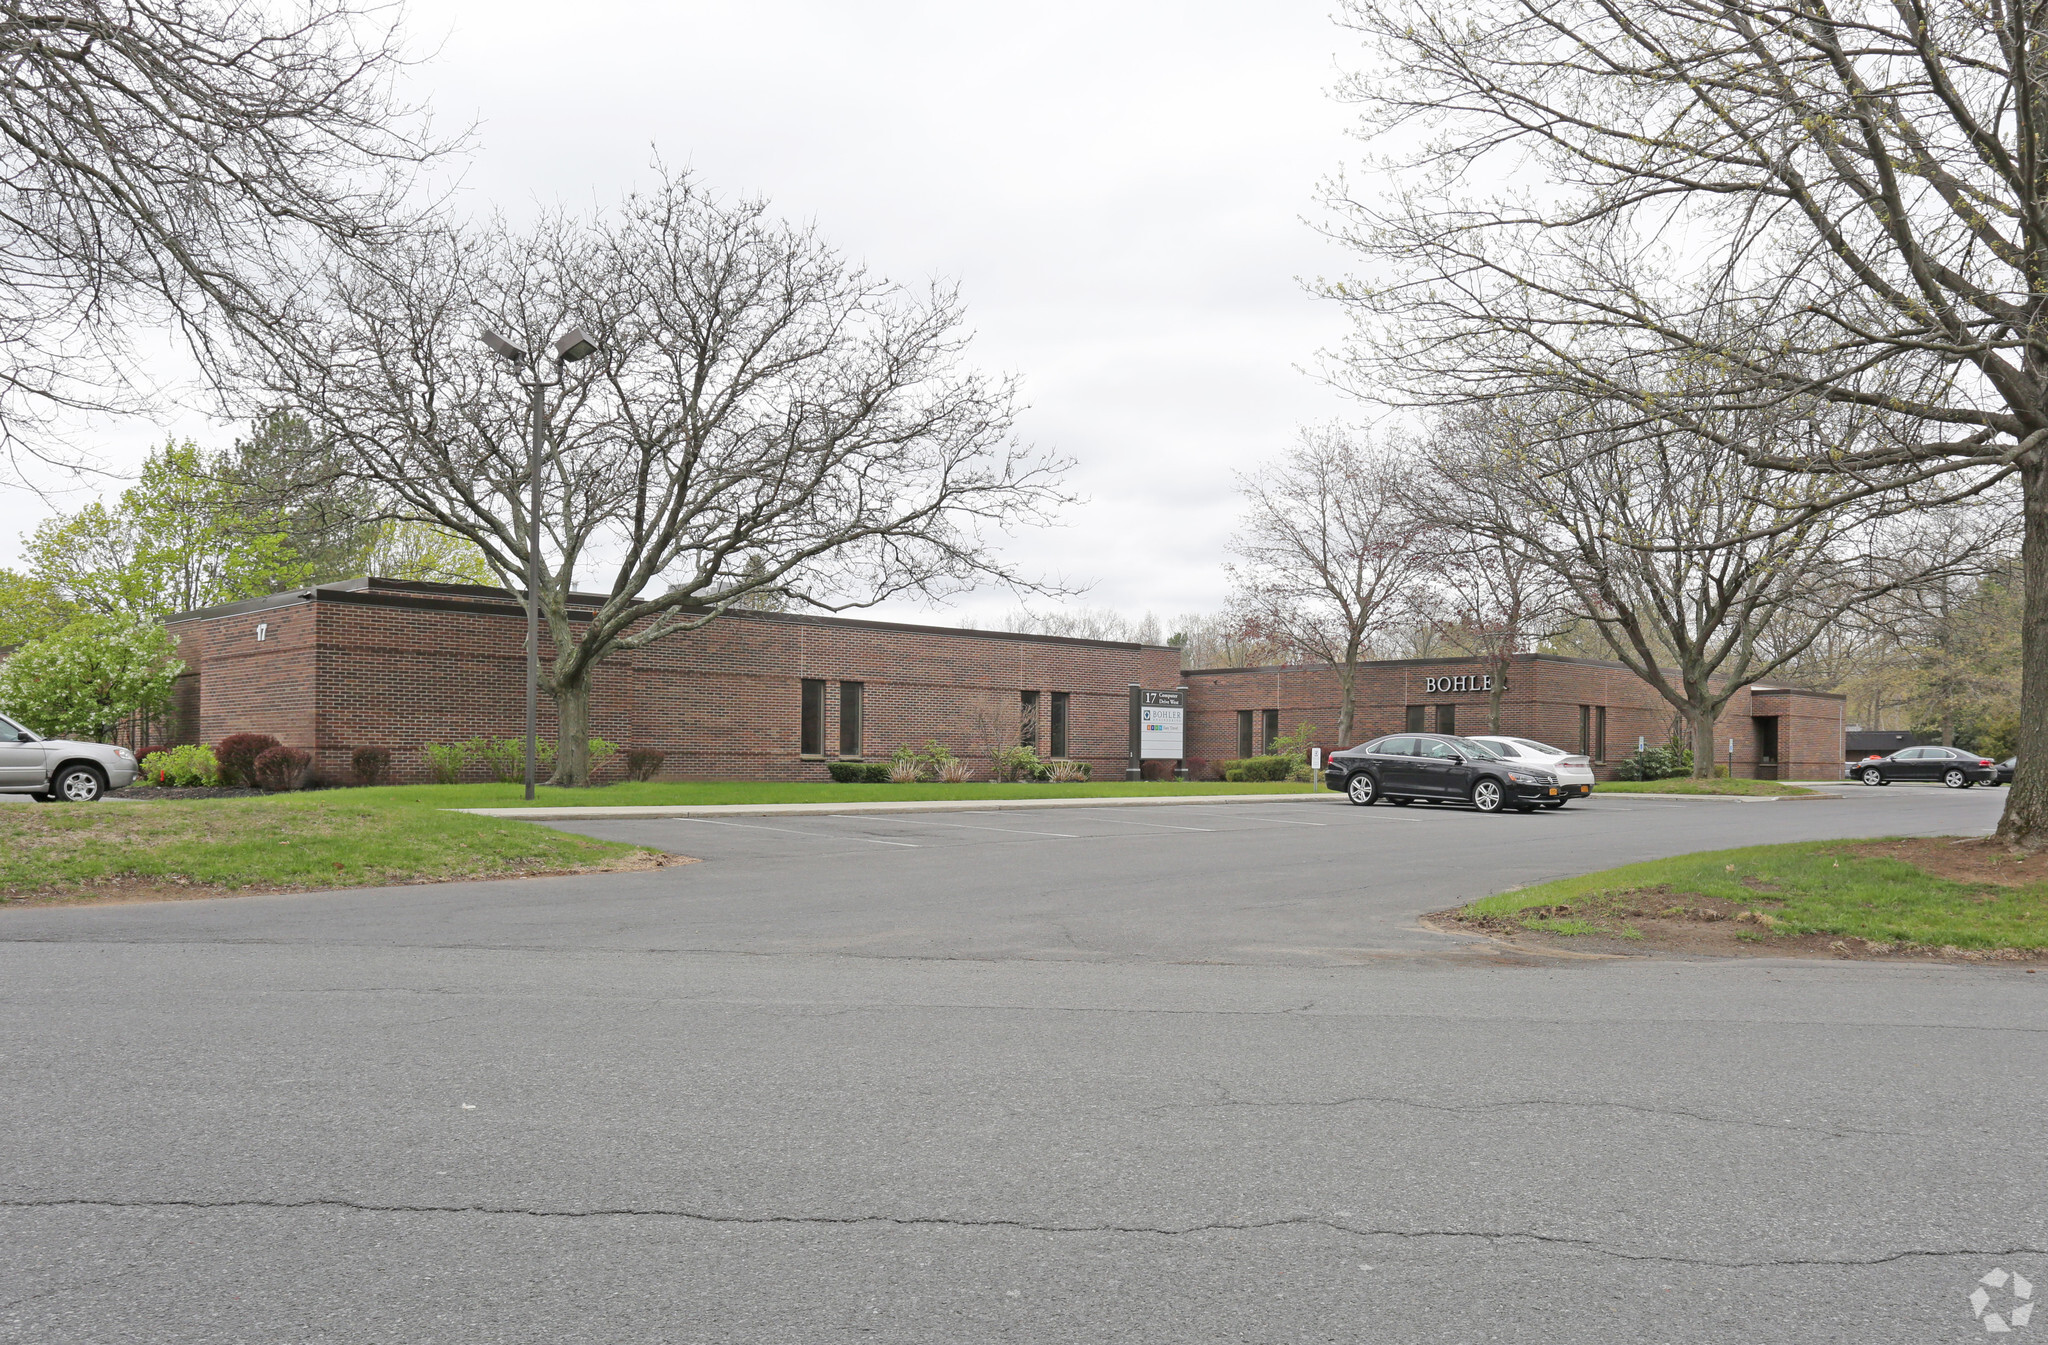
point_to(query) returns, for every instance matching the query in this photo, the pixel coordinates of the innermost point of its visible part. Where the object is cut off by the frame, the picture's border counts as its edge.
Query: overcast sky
(1119, 188)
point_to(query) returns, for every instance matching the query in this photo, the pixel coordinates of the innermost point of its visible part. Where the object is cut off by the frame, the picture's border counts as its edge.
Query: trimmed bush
(859, 772)
(282, 768)
(643, 762)
(444, 761)
(372, 765)
(190, 766)
(237, 755)
(1202, 769)
(1258, 769)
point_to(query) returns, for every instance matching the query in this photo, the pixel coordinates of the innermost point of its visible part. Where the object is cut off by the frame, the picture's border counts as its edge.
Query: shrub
(237, 755)
(445, 761)
(283, 768)
(1155, 769)
(1063, 772)
(186, 767)
(1253, 769)
(859, 772)
(1014, 763)
(955, 772)
(1654, 763)
(904, 772)
(372, 765)
(642, 763)
(1202, 769)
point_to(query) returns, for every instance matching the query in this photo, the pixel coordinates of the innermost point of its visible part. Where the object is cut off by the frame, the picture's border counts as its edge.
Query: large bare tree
(1329, 555)
(1703, 573)
(760, 419)
(1813, 204)
(162, 161)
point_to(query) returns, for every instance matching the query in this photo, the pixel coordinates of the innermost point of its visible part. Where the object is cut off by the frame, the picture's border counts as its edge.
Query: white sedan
(1570, 768)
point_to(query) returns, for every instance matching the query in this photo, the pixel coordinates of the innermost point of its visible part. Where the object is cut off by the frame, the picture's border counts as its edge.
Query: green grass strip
(707, 792)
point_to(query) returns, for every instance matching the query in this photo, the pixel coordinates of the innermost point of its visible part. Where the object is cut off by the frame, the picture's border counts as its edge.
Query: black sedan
(1951, 765)
(2005, 770)
(1440, 769)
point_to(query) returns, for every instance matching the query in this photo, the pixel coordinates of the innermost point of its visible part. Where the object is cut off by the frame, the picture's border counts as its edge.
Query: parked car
(1574, 772)
(1439, 768)
(1951, 765)
(59, 769)
(2005, 771)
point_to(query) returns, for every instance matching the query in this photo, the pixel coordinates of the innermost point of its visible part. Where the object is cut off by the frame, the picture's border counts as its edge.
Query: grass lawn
(1744, 788)
(760, 791)
(338, 838)
(1929, 892)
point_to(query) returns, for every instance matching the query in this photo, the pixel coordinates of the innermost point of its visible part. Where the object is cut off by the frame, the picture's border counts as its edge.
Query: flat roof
(370, 590)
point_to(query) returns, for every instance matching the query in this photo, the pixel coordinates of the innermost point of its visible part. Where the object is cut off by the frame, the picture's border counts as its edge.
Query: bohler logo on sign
(1472, 682)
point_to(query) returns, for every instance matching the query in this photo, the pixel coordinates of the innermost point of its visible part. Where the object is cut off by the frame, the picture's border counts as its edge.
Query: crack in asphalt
(1226, 1100)
(1029, 1226)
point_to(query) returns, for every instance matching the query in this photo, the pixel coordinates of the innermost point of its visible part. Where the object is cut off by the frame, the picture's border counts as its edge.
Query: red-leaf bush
(282, 768)
(372, 765)
(642, 763)
(237, 755)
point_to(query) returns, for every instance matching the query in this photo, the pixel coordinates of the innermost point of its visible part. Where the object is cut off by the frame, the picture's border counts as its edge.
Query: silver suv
(59, 768)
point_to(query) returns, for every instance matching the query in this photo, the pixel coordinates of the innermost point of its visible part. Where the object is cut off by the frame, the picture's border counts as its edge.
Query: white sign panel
(1161, 720)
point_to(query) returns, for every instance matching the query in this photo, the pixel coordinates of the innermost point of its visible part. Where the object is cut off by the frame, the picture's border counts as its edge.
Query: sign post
(1158, 728)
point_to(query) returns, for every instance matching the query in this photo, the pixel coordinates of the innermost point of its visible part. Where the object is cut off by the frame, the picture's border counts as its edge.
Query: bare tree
(165, 160)
(1702, 573)
(1816, 205)
(760, 418)
(1329, 555)
(1493, 600)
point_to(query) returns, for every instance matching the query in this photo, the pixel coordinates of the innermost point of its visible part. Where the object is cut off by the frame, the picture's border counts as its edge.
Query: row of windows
(1268, 723)
(811, 729)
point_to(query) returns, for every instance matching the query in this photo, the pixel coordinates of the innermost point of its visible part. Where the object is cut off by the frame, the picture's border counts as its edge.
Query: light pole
(573, 346)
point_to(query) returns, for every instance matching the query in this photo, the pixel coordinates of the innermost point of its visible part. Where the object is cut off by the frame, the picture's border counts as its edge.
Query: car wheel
(79, 784)
(1488, 797)
(1873, 776)
(1362, 790)
(1955, 779)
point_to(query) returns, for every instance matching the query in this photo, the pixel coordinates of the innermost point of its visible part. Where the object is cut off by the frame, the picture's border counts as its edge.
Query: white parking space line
(1154, 826)
(1007, 831)
(792, 831)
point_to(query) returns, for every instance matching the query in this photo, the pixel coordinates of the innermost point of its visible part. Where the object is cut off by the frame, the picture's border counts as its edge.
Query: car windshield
(1543, 748)
(1472, 747)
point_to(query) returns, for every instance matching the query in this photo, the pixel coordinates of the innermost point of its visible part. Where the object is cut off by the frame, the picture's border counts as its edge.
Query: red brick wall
(1541, 701)
(722, 702)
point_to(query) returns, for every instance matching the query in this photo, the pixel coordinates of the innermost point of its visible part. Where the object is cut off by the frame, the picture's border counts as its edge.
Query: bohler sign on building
(1432, 686)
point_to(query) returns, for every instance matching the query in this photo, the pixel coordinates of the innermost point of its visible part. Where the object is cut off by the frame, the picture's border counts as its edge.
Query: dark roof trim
(1756, 688)
(485, 601)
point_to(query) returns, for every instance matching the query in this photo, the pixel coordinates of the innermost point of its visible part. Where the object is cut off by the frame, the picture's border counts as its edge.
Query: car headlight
(124, 754)
(1528, 778)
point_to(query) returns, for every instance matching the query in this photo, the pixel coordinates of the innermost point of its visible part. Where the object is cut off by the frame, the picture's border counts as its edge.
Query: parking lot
(1079, 1074)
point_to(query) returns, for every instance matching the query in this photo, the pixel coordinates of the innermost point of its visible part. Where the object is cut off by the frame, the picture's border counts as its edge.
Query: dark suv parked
(1440, 769)
(1951, 765)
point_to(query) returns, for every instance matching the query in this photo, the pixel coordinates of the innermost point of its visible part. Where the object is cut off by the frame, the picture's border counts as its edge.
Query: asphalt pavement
(1100, 1075)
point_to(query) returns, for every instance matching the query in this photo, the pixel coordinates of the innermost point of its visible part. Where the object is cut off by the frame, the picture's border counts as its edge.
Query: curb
(627, 811)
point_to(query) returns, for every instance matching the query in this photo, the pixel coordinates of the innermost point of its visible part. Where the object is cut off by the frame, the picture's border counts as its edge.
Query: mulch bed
(154, 793)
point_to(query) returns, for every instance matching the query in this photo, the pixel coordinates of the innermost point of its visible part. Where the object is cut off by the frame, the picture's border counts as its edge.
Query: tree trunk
(2026, 803)
(1948, 724)
(572, 738)
(1493, 697)
(1347, 679)
(1702, 720)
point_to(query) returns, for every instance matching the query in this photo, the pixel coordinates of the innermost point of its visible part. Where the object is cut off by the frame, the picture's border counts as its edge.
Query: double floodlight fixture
(576, 344)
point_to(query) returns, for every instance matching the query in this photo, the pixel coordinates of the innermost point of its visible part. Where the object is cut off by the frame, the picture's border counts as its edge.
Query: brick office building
(1584, 705)
(751, 696)
(776, 696)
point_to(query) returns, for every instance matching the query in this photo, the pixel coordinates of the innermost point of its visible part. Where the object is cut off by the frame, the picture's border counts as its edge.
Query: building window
(1027, 726)
(849, 719)
(1446, 717)
(1418, 719)
(1272, 731)
(1599, 733)
(1585, 730)
(811, 742)
(1059, 723)
(1244, 733)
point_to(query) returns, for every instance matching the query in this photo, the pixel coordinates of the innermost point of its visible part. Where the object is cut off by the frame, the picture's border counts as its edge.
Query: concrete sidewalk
(880, 806)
